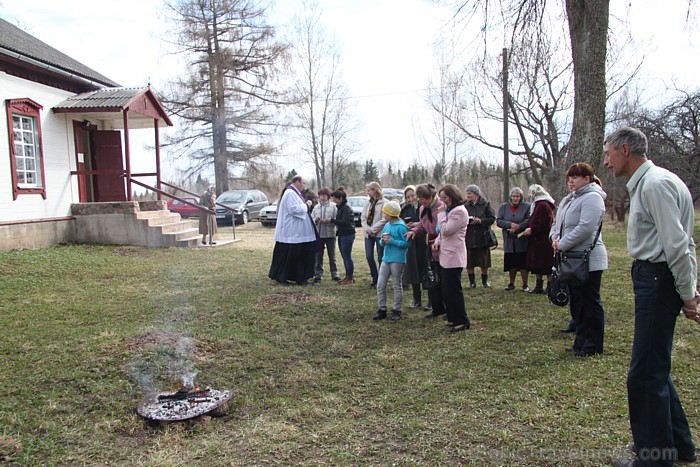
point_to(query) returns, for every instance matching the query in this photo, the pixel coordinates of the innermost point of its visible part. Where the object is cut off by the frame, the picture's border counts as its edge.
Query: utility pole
(506, 168)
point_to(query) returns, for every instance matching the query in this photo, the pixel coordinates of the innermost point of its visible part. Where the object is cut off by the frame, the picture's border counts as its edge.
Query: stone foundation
(36, 234)
(91, 223)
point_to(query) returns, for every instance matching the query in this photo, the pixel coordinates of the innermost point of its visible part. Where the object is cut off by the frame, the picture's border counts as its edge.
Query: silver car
(243, 205)
(268, 215)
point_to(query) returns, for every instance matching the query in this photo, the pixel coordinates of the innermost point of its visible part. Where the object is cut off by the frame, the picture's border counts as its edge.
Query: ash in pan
(182, 404)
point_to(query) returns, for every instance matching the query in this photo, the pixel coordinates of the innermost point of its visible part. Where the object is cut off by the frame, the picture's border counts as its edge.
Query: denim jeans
(370, 244)
(345, 243)
(659, 425)
(329, 246)
(395, 270)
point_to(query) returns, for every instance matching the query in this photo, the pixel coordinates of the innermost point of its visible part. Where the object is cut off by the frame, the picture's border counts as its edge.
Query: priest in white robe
(295, 237)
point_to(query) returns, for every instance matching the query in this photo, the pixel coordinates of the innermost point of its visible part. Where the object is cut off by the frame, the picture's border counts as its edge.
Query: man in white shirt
(664, 276)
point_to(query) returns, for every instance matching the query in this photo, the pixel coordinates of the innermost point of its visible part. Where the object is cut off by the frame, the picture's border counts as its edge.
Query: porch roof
(108, 105)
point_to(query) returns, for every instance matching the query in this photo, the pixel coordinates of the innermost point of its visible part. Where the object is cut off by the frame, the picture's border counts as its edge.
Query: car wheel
(244, 218)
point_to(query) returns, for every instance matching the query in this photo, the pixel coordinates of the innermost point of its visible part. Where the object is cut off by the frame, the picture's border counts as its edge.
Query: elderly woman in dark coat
(513, 218)
(540, 255)
(481, 218)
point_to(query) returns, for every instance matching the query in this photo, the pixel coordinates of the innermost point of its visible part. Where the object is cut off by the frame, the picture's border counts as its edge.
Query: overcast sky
(387, 50)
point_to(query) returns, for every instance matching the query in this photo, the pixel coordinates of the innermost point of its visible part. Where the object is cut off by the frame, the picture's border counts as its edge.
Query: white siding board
(58, 152)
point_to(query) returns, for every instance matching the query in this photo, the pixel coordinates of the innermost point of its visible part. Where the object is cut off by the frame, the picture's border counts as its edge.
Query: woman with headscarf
(372, 224)
(540, 255)
(513, 218)
(425, 230)
(481, 217)
(577, 227)
(207, 220)
(415, 257)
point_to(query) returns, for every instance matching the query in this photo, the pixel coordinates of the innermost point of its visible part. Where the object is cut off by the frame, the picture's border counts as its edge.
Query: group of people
(443, 231)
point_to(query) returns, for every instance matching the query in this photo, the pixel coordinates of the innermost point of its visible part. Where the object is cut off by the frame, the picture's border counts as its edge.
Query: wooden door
(107, 155)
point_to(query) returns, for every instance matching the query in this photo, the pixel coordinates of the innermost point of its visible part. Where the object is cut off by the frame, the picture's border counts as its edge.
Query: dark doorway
(107, 155)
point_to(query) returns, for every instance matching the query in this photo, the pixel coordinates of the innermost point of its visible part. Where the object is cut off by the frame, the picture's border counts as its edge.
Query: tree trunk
(588, 31)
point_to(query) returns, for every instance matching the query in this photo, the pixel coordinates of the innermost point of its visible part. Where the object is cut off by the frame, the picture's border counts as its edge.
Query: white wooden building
(67, 140)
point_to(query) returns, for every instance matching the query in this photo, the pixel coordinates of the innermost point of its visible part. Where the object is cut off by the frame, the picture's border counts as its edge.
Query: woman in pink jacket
(452, 219)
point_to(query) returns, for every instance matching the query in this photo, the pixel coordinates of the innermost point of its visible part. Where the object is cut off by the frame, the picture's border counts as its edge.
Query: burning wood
(191, 395)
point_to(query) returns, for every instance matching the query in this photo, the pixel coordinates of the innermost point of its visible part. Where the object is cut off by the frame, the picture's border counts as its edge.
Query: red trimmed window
(26, 156)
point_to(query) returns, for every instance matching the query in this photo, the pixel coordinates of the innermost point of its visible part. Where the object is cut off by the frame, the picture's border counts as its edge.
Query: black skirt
(292, 262)
(514, 261)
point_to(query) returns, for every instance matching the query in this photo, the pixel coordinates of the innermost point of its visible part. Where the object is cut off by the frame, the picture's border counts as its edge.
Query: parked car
(268, 215)
(244, 205)
(185, 210)
(357, 203)
(395, 194)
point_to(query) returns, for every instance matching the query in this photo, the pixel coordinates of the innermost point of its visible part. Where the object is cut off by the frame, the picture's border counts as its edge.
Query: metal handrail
(198, 206)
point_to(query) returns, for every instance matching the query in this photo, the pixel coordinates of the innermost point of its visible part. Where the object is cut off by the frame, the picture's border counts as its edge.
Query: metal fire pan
(153, 409)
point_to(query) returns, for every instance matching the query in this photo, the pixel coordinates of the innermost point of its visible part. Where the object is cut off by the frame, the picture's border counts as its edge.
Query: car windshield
(231, 197)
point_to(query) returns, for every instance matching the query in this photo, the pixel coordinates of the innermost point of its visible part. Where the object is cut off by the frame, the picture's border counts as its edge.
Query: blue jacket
(395, 252)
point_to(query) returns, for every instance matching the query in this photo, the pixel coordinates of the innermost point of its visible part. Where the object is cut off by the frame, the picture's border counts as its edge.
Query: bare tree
(674, 137)
(444, 138)
(221, 101)
(587, 22)
(539, 105)
(322, 112)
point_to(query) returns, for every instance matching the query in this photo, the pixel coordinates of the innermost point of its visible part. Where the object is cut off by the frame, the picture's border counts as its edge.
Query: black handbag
(490, 238)
(572, 266)
(431, 276)
(558, 292)
(431, 279)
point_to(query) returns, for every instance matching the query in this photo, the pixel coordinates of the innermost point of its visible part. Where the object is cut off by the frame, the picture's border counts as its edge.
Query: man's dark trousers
(659, 425)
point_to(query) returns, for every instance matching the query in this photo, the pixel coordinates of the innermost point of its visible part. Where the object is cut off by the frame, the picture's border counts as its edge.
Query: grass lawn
(86, 328)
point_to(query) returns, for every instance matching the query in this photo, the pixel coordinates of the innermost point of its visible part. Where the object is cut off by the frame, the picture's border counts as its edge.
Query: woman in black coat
(417, 252)
(345, 231)
(481, 218)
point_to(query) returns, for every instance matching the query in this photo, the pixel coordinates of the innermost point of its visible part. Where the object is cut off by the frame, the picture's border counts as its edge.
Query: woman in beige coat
(207, 220)
(372, 225)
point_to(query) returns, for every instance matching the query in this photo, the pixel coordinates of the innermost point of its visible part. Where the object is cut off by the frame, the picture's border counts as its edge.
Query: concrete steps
(169, 227)
(145, 223)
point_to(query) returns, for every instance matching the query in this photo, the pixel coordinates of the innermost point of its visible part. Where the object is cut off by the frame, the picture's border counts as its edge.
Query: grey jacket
(325, 212)
(521, 216)
(580, 213)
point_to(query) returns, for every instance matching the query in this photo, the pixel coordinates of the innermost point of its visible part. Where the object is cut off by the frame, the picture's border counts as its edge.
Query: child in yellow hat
(394, 260)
